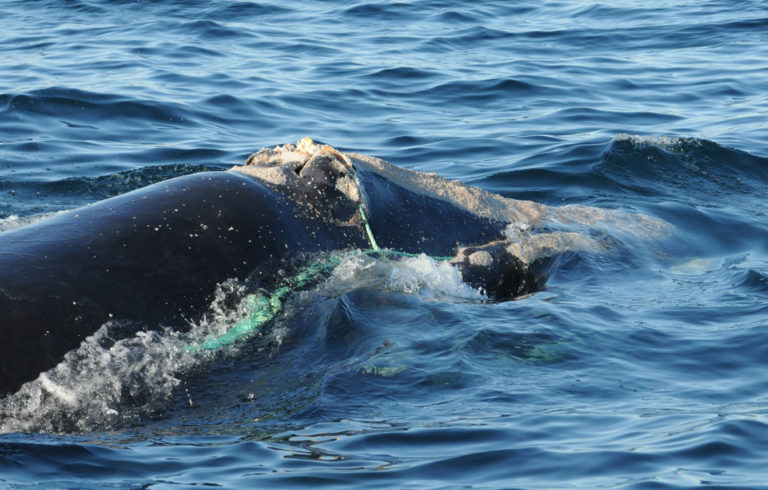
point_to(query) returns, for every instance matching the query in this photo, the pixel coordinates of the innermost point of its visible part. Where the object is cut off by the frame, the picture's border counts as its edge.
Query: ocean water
(642, 368)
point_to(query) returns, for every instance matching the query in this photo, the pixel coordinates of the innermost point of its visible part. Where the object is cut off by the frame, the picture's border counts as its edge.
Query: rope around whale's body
(262, 308)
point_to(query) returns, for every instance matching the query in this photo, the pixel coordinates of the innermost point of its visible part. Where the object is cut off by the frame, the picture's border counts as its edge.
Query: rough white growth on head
(306, 145)
(481, 258)
(283, 164)
(349, 188)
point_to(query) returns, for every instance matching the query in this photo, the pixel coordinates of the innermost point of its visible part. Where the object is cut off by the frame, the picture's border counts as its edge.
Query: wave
(755, 281)
(545, 449)
(665, 166)
(461, 93)
(65, 102)
(401, 73)
(60, 115)
(715, 192)
(382, 11)
(638, 169)
(32, 199)
(107, 383)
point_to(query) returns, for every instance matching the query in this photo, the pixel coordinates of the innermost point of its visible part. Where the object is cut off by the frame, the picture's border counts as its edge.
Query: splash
(107, 383)
(14, 221)
(99, 385)
(673, 144)
(421, 276)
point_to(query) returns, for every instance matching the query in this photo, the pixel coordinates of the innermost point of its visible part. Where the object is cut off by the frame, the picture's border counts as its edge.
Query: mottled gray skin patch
(535, 231)
(279, 166)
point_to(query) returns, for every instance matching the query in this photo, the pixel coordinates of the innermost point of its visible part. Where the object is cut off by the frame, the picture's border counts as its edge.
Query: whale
(153, 257)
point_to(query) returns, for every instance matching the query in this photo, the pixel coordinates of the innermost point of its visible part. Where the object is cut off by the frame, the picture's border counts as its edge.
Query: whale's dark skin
(150, 257)
(413, 223)
(154, 257)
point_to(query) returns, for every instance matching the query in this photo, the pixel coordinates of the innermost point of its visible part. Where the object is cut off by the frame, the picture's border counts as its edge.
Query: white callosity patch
(279, 165)
(271, 165)
(307, 170)
(481, 258)
(349, 187)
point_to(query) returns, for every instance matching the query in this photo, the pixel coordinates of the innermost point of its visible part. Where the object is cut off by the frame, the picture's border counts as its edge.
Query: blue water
(643, 369)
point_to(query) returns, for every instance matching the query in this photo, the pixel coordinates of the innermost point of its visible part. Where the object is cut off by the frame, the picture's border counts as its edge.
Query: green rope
(261, 308)
(374, 245)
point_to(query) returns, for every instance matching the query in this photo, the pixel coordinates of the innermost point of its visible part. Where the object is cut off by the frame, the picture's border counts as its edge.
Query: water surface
(642, 368)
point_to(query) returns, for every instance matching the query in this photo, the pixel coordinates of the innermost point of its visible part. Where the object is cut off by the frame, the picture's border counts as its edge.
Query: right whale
(154, 257)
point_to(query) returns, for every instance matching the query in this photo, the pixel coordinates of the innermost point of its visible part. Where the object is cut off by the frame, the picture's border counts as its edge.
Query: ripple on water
(641, 367)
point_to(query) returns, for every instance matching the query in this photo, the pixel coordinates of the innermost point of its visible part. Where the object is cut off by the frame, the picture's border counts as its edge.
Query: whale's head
(318, 177)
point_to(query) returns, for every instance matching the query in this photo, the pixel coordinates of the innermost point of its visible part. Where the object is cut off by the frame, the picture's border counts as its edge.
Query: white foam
(669, 143)
(15, 221)
(422, 276)
(103, 383)
(99, 385)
